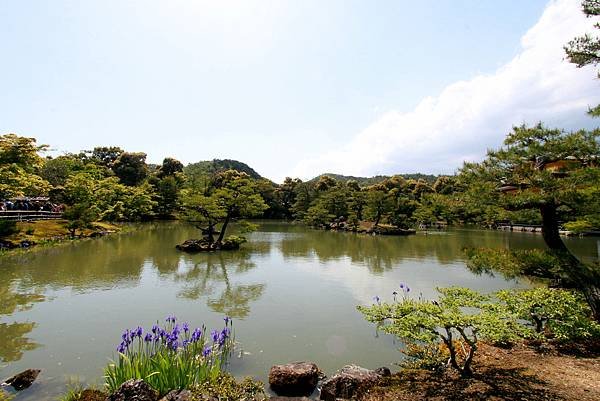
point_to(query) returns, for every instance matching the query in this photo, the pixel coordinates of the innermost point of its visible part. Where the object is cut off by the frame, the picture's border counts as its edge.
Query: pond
(291, 291)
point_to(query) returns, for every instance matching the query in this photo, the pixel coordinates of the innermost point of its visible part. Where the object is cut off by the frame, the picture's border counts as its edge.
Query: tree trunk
(223, 228)
(586, 278)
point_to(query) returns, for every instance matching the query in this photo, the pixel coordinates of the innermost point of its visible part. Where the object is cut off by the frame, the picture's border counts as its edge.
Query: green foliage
(80, 216)
(378, 203)
(226, 388)
(585, 50)
(560, 314)
(16, 181)
(106, 155)
(232, 194)
(166, 191)
(460, 313)
(170, 167)
(173, 359)
(56, 171)
(131, 168)
(8, 227)
(21, 151)
(428, 356)
(514, 263)
(107, 199)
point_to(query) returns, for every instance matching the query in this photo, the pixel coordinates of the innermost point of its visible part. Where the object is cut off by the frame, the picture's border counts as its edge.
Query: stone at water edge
(346, 382)
(294, 379)
(22, 380)
(92, 395)
(134, 390)
(177, 395)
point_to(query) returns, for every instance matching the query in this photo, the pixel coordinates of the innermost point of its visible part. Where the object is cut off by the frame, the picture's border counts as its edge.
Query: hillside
(366, 181)
(210, 167)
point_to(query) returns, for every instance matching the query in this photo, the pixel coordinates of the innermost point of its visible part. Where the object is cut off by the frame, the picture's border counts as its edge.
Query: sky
(292, 88)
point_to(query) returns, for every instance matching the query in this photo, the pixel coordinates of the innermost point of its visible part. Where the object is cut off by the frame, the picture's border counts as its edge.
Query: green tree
(378, 203)
(21, 151)
(170, 167)
(553, 172)
(20, 163)
(106, 155)
(232, 194)
(459, 314)
(57, 170)
(287, 195)
(131, 168)
(585, 50)
(16, 181)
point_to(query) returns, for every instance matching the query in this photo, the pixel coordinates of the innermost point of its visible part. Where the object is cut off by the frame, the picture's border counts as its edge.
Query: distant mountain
(366, 181)
(210, 167)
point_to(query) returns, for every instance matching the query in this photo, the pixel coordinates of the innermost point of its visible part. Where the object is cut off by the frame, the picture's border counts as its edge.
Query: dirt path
(521, 373)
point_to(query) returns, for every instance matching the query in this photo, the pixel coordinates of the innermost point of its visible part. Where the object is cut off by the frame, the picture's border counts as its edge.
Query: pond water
(291, 291)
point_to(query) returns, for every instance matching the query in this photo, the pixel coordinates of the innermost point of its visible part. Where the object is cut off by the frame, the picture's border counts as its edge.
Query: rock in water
(22, 380)
(134, 390)
(346, 382)
(294, 379)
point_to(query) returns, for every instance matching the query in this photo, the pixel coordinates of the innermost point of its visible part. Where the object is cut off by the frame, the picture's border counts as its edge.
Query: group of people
(30, 205)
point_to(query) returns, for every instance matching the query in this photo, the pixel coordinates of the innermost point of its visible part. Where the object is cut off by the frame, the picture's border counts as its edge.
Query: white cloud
(468, 117)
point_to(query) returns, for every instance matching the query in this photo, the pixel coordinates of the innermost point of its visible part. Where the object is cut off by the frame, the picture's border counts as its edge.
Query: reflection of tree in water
(211, 276)
(380, 253)
(13, 340)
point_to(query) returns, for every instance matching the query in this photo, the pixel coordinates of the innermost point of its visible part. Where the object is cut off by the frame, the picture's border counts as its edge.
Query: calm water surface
(292, 293)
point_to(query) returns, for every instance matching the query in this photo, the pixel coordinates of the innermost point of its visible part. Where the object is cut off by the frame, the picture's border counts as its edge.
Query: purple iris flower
(407, 289)
(401, 285)
(196, 334)
(186, 327)
(121, 348)
(215, 335)
(227, 318)
(206, 351)
(148, 337)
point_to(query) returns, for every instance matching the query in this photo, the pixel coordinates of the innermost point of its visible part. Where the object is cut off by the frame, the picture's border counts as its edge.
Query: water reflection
(382, 253)
(13, 340)
(211, 277)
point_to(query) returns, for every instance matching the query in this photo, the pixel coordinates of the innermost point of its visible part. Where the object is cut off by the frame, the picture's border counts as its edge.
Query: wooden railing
(29, 215)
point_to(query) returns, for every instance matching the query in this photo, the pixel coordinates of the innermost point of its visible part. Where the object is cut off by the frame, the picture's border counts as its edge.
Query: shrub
(559, 313)
(429, 356)
(459, 314)
(226, 388)
(171, 357)
(8, 227)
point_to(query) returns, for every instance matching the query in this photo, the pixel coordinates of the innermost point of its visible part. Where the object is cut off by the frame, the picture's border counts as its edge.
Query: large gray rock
(346, 382)
(22, 380)
(294, 379)
(134, 390)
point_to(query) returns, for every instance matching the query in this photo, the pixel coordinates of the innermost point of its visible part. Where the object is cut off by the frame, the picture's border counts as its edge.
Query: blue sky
(289, 87)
